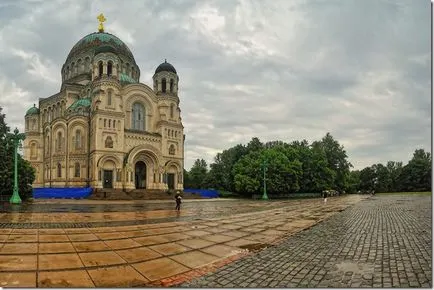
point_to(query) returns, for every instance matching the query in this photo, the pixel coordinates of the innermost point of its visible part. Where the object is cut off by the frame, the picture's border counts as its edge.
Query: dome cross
(101, 20)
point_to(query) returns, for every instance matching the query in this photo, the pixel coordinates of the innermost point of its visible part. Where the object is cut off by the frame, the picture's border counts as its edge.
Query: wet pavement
(84, 243)
(384, 241)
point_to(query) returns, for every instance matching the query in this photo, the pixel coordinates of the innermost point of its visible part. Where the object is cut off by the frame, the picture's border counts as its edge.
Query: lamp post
(16, 138)
(264, 195)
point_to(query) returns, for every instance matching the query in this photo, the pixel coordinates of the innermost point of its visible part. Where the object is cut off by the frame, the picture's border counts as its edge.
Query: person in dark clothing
(324, 195)
(178, 200)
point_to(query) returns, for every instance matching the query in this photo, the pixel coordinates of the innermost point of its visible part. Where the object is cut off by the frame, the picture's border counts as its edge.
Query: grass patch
(405, 193)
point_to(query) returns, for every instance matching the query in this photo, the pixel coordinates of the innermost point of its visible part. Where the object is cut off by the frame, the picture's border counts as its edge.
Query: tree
(336, 158)
(26, 174)
(221, 175)
(197, 174)
(282, 174)
(416, 175)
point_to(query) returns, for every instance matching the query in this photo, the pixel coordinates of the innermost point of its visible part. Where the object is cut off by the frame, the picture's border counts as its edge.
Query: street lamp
(264, 195)
(16, 138)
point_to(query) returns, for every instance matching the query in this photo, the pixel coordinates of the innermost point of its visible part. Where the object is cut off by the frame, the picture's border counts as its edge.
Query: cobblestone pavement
(384, 241)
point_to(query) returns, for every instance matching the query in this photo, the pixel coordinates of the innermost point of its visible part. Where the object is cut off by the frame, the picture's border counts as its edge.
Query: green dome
(85, 102)
(100, 42)
(32, 111)
(126, 79)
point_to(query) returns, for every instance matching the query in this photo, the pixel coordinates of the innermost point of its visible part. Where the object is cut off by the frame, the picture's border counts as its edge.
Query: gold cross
(101, 19)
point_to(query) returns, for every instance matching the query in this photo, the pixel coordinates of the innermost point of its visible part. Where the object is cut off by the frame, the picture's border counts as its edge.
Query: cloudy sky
(278, 70)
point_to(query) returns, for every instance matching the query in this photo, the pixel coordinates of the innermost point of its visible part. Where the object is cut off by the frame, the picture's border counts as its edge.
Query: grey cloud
(276, 69)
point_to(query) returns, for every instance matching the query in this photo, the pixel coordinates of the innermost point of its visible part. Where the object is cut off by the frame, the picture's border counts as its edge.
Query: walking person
(324, 195)
(178, 200)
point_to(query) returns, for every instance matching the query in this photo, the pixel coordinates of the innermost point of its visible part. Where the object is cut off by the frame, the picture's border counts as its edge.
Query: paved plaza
(380, 242)
(351, 241)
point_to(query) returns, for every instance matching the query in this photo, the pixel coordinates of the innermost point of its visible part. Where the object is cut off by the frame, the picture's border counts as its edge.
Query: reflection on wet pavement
(83, 243)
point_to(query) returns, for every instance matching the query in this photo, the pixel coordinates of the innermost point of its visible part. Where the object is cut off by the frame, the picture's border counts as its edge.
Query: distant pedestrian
(324, 195)
(178, 200)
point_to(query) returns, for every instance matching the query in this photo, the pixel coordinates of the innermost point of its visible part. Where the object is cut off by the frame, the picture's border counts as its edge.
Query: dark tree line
(303, 167)
(26, 174)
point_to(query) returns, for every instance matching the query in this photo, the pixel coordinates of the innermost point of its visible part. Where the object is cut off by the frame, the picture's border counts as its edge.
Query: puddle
(348, 266)
(254, 247)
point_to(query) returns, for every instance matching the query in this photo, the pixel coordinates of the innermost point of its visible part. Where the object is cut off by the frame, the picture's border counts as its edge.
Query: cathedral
(105, 129)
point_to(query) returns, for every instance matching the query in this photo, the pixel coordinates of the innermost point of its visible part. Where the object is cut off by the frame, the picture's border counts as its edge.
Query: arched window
(59, 170)
(171, 85)
(105, 123)
(163, 85)
(77, 169)
(100, 69)
(80, 66)
(114, 124)
(109, 142)
(109, 68)
(172, 150)
(171, 110)
(109, 98)
(127, 69)
(78, 139)
(138, 117)
(33, 124)
(110, 123)
(47, 143)
(59, 141)
(33, 150)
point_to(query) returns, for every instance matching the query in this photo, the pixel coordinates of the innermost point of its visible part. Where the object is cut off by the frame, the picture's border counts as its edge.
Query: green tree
(336, 160)
(198, 174)
(282, 174)
(416, 175)
(220, 174)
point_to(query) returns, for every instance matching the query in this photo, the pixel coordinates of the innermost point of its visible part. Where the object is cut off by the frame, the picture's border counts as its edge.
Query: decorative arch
(108, 157)
(145, 148)
(147, 100)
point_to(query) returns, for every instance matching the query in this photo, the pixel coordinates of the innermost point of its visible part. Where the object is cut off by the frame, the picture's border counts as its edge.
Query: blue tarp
(205, 193)
(70, 192)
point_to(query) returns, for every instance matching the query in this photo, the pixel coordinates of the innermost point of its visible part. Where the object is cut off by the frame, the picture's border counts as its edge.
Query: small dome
(84, 102)
(165, 66)
(126, 79)
(32, 111)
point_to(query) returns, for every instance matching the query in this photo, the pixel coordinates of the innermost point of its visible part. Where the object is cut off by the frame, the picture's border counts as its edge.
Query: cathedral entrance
(171, 180)
(108, 179)
(140, 175)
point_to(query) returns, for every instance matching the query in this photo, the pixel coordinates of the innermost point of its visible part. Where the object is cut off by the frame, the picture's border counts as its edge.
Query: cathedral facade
(105, 129)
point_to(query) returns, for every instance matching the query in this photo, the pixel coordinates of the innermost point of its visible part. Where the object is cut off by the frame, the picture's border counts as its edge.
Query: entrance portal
(171, 180)
(108, 179)
(140, 175)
